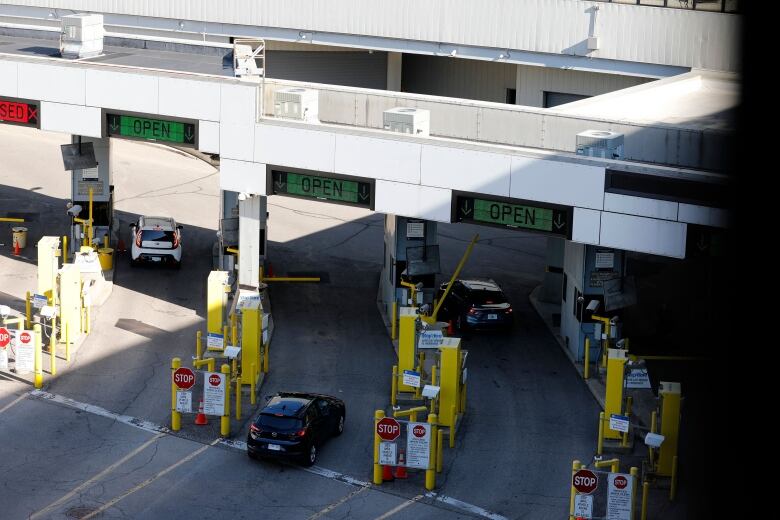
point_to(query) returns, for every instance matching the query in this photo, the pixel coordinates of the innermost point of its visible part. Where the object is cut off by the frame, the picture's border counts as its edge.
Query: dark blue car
(476, 304)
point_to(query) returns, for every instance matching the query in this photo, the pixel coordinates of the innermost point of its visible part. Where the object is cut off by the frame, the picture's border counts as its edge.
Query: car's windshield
(277, 422)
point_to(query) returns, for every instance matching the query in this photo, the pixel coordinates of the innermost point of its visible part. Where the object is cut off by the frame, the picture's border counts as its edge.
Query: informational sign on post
(387, 454)
(184, 401)
(430, 339)
(215, 340)
(583, 506)
(619, 423)
(214, 394)
(637, 378)
(418, 445)
(411, 378)
(619, 491)
(39, 300)
(3, 359)
(25, 351)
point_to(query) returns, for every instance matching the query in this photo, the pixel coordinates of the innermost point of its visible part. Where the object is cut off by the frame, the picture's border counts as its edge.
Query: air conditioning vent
(81, 36)
(405, 120)
(297, 103)
(600, 143)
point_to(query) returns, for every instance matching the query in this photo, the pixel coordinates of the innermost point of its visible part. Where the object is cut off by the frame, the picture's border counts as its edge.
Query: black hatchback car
(294, 425)
(476, 304)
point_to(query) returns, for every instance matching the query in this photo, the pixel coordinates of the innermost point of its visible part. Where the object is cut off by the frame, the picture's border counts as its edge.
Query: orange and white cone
(387, 473)
(400, 470)
(200, 419)
(450, 328)
(17, 249)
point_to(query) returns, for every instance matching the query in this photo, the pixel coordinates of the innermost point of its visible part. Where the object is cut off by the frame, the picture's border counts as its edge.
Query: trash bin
(20, 236)
(106, 258)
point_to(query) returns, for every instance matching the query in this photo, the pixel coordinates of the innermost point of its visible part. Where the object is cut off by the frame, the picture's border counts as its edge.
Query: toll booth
(99, 179)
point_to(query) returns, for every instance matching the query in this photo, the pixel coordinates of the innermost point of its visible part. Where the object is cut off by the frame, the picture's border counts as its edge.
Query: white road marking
(399, 508)
(88, 483)
(9, 405)
(334, 505)
(465, 506)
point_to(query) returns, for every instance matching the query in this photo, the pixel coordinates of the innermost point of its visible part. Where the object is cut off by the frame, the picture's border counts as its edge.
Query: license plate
(274, 447)
(492, 316)
(156, 259)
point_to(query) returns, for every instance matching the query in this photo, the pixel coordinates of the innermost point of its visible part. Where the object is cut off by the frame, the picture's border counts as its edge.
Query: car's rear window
(279, 422)
(156, 235)
(487, 297)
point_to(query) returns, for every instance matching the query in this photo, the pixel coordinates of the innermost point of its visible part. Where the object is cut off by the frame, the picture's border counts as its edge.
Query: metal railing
(717, 6)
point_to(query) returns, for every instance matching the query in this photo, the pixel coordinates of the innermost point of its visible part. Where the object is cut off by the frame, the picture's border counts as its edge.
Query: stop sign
(215, 380)
(388, 429)
(585, 481)
(25, 337)
(184, 378)
(620, 482)
(419, 431)
(5, 337)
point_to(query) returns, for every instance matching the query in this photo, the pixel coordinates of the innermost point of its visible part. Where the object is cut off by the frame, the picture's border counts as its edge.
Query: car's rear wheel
(339, 426)
(311, 458)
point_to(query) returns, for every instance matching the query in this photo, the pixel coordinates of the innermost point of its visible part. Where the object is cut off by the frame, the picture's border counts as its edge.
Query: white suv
(155, 240)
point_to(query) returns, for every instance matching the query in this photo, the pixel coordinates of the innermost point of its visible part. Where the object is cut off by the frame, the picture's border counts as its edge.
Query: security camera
(593, 305)
(654, 440)
(419, 286)
(580, 299)
(614, 319)
(74, 210)
(5, 310)
(621, 343)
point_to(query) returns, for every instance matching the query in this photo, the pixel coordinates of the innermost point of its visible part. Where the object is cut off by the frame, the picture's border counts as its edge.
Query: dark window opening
(553, 99)
(511, 96)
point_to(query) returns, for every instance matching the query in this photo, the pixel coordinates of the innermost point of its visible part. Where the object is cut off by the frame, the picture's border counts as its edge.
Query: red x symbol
(32, 113)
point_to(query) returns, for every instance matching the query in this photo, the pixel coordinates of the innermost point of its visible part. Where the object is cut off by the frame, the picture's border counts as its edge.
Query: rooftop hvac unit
(297, 103)
(81, 36)
(600, 143)
(415, 121)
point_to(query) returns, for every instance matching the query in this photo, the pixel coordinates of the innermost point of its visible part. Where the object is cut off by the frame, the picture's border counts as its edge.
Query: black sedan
(476, 304)
(294, 425)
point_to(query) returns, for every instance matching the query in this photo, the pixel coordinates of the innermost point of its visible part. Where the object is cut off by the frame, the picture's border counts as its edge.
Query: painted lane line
(334, 505)
(90, 482)
(465, 506)
(12, 403)
(102, 412)
(399, 508)
(148, 481)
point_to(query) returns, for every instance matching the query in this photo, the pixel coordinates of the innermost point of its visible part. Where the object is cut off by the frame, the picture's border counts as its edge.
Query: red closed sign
(184, 378)
(388, 429)
(620, 482)
(585, 481)
(214, 380)
(419, 431)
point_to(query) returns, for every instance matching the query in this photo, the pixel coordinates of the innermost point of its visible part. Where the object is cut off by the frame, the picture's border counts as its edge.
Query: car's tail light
(138, 239)
(301, 433)
(254, 431)
(175, 240)
(509, 310)
(473, 311)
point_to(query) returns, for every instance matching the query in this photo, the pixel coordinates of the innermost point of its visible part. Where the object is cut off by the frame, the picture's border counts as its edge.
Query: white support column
(249, 223)
(394, 68)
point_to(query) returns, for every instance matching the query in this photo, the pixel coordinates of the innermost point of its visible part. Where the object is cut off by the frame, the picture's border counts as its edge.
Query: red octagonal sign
(388, 429)
(620, 482)
(585, 481)
(5, 337)
(419, 431)
(215, 380)
(184, 378)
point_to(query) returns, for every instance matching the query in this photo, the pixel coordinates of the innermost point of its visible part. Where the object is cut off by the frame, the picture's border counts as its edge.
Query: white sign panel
(214, 394)
(39, 300)
(215, 340)
(387, 454)
(231, 352)
(583, 506)
(619, 423)
(637, 378)
(184, 401)
(430, 339)
(619, 493)
(3, 359)
(415, 230)
(418, 445)
(25, 351)
(411, 378)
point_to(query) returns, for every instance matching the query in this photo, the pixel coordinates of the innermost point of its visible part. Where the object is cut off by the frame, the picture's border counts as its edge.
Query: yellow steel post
(175, 416)
(600, 446)
(435, 400)
(225, 337)
(238, 397)
(252, 381)
(378, 416)
(430, 472)
(53, 347)
(586, 368)
(27, 311)
(452, 428)
(645, 493)
(393, 322)
(613, 464)
(90, 221)
(437, 307)
(234, 334)
(653, 426)
(234, 367)
(224, 426)
(575, 467)
(67, 343)
(629, 402)
(105, 240)
(38, 358)
(265, 357)
(634, 488)
(198, 345)
(673, 487)
(670, 426)
(64, 249)
(439, 450)
(394, 386)
(613, 402)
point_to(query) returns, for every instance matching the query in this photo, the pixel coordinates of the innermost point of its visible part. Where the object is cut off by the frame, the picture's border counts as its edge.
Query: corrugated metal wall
(454, 77)
(353, 69)
(532, 82)
(639, 34)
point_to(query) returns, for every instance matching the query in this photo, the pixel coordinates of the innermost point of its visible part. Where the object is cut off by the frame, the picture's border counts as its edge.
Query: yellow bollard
(225, 337)
(53, 347)
(586, 368)
(673, 488)
(198, 345)
(105, 241)
(393, 321)
(634, 485)
(238, 398)
(435, 401)
(233, 332)
(600, 447)
(430, 473)
(452, 429)
(575, 467)
(64, 249)
(265, 358)
(224, 426)
(38, 358)
(27, 311)
(653, 426)
(252, 397)
(629, 403)
(234, 367)
(645, 493)
(439, 450)
(378, 416)
(67, 343)
(394, 386)
(175, 416)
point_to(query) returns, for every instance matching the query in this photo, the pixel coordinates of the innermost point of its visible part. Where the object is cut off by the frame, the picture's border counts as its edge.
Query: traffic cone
(120, 247)
(450, 329)
(400, 470)
(17, 249)
(387, 473)
(200, 419)
(270, 270)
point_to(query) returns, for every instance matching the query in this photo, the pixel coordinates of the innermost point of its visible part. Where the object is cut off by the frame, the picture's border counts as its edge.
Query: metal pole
(64, 249)
(393, 319)
(430, 473)
(238, 397)
(53, 347)
(439, 450)
(586, 368)
(224, 426)
(600, 447)
(394, 386)
(575, 467)
(645, 493)
(27, 311)
(634, 485)
(252, 397)
(198, 345)
(378, 415)
(38, 358)
(175, 415)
